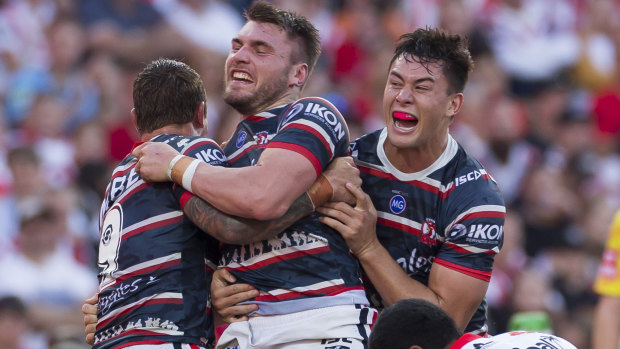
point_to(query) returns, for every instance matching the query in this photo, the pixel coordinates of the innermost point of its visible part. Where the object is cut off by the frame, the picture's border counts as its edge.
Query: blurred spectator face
(416, 105)
(47, 116)
(13, 324)
(39, 233)
(25, 168)
(66, 44)
(258, 67)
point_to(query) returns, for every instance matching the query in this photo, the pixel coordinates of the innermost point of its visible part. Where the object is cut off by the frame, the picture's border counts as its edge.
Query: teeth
(397, 124)
(241, 75)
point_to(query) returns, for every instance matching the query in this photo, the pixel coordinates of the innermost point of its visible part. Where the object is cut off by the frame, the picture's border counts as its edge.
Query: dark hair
(296, 27)
(413, 322)
(12, 305)
(166, 92)
(23, 154)
(427, 46)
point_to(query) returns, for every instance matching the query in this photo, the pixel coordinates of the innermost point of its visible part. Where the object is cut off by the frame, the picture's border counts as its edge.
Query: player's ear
(456, 102)
(299, 74)
(200, 115)
(134, 119)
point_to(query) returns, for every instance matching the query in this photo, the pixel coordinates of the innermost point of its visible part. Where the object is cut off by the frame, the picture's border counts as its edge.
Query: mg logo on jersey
(397, 204)
(241, 139)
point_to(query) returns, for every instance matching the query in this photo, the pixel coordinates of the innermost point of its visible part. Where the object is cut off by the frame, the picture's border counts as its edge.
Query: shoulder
(317, 113)
(202, 148)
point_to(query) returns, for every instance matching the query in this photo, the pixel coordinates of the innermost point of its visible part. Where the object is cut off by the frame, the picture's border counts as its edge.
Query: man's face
(258, 68)
(417, 106)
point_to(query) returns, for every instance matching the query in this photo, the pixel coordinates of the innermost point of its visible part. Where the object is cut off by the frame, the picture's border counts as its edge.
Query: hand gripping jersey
(513, 340)
(608, 278)
(451, 213)
(308, 265)
(155, 266)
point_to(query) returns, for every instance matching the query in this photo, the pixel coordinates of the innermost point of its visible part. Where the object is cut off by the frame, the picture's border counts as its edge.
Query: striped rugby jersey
(154, 265)
(452, 213)
(308, 265)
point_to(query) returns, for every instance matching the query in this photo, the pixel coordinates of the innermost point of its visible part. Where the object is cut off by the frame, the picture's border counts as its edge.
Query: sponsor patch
(241, 139)
(397, 204)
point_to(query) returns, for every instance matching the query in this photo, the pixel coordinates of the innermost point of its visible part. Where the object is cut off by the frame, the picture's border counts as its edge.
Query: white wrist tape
(188, 175)
(171, 165)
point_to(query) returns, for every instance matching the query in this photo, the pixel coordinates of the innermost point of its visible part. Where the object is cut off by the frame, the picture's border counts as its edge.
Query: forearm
(606, 328)
(237, 230)
(392, 283)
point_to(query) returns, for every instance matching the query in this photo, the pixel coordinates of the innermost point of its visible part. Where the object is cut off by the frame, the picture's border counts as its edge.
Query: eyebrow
(254, 43)
(416, 81)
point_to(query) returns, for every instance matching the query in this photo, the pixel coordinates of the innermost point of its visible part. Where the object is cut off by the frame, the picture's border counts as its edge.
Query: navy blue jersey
(451, 213)
(308, 265)
(155, 266)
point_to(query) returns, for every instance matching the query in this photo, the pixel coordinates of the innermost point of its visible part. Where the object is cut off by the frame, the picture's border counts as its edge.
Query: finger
(343, 214)
(93, 299)
(89, 309)
(360, 197)
(90, 319)
(232, 295)
(228, 276)
(137, 151)
(90, 339)
(90, 328)
(335, 224)
(238, 310)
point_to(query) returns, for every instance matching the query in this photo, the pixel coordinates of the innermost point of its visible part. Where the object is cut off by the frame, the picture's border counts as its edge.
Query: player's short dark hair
(427, 46)
(297, 28)
(166, 92)
(411, 322)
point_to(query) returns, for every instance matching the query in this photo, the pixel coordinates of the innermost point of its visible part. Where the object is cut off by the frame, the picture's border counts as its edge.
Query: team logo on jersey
(458, 230)
(429, 234)
(294, 111)
(397, 204)
(262, 138)
(241, 139)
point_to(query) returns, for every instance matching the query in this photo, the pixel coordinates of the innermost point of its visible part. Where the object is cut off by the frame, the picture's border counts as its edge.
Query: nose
(404, 96)
(240, 56)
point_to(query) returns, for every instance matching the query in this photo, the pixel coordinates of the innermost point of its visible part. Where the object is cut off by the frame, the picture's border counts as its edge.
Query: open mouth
(404, 121)
(242, 76)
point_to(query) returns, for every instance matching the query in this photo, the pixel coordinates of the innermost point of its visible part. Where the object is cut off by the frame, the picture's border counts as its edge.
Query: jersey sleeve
(314, 128)
(203, 149)
(608, 278)
(475, 230)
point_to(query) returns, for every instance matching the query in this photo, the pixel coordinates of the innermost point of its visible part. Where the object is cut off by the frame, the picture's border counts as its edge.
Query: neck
(182, 130)
(289, 97)
(414, 159)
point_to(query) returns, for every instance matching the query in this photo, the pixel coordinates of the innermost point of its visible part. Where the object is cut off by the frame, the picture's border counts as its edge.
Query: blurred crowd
(542, 113)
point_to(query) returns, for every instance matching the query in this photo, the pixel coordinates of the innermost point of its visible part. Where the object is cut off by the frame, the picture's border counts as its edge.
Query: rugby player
(155, 264)
(418, 324)
(310, 285)
(432, 219)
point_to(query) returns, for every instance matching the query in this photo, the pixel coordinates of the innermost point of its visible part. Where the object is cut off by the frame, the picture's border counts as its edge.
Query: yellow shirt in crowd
(608, 278)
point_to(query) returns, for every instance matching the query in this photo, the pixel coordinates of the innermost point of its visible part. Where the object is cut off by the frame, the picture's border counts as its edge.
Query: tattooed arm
(237, 230)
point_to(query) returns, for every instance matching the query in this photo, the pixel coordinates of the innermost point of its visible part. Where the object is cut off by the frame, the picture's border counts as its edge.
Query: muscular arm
(238, 230)
(606, 328)
(445, 288)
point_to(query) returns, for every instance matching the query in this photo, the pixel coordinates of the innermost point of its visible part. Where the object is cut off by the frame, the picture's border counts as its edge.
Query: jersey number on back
(110, 241)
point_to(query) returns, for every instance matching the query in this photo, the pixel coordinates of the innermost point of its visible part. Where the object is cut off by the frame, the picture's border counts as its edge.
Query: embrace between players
(291, 225)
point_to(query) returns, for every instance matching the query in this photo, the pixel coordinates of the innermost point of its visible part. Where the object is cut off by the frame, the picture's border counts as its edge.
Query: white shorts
(337, 327)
